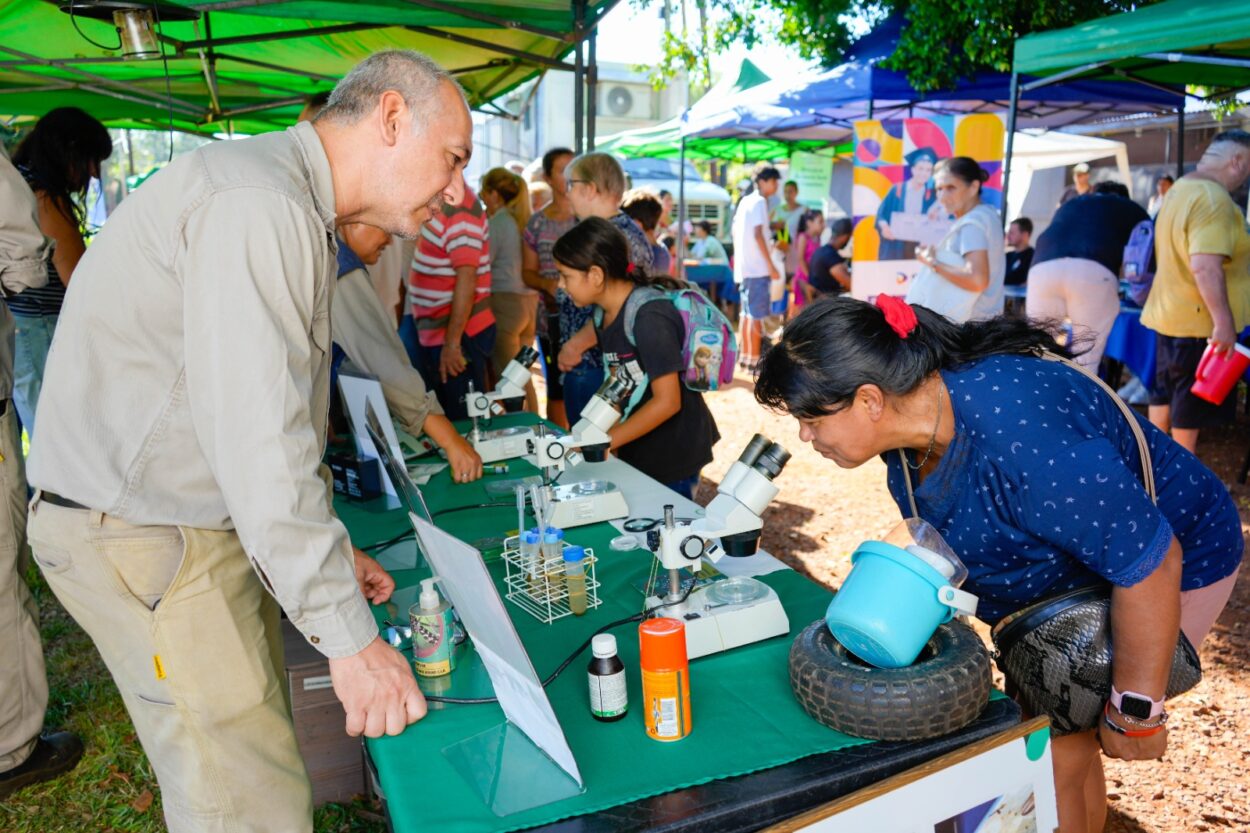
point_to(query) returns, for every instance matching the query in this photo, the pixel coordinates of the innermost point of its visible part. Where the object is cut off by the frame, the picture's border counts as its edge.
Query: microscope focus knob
(653, 539)
(481, 403)
(692, 547)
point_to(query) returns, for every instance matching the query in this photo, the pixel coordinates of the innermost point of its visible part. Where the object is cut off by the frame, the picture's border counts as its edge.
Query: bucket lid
(662, 643)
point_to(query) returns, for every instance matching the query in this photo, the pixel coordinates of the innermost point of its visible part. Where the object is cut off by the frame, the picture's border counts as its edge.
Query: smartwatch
(1135, 705)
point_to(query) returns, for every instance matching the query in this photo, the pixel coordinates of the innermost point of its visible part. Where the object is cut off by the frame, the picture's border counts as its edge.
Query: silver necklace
(932, 437)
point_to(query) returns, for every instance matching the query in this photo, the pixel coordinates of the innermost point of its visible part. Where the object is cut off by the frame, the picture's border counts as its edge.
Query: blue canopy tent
(826, 104)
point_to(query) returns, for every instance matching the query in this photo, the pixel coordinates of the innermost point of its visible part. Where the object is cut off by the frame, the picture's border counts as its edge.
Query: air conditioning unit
(625, 101)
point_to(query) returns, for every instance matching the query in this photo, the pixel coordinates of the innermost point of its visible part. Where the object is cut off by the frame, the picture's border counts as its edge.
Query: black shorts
(1176, 360)
(549, 348)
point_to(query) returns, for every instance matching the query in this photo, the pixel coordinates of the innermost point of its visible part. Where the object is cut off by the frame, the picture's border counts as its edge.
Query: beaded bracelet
(1132, 733)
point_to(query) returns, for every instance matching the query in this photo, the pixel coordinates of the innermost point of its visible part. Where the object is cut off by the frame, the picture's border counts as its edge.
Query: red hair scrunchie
(898, 314)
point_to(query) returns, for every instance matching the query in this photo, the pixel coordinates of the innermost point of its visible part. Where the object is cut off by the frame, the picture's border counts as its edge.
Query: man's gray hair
(413, 75)
(1233, 137)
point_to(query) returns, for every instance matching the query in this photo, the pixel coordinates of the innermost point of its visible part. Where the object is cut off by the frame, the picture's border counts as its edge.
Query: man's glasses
(569, 183)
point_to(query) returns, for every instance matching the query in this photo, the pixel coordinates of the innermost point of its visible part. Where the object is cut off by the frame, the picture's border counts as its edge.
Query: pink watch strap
(1117, 696)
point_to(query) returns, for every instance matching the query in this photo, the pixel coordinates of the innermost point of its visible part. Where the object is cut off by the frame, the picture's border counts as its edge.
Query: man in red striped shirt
(449, 289)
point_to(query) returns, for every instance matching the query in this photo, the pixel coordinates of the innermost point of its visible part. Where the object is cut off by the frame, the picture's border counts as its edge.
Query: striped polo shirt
(456, 236)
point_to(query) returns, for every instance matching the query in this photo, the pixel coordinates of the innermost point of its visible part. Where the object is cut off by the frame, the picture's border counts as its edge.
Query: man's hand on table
(466, 464)
(375, 583)
(377, 690)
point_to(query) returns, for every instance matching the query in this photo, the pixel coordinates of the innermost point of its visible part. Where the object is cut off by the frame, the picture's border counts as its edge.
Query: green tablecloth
(745, 717)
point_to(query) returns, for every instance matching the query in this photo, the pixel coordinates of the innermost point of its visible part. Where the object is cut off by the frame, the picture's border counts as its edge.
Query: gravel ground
(824, 512)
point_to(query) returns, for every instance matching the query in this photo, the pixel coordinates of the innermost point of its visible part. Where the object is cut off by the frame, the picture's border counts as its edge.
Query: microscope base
(501, 444)
(576, 505)
(712, 628)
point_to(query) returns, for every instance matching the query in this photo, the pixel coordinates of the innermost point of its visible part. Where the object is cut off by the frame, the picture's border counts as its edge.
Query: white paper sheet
(357, 389)
(468, 586)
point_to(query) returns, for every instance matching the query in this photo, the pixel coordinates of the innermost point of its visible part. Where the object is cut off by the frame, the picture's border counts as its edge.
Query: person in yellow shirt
(1201, 290)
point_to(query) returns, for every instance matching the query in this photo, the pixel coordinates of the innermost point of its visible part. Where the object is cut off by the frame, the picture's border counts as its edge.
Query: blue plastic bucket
(891, 604)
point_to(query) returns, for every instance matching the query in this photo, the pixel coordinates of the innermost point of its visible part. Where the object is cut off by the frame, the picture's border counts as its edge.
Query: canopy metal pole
(1011, 138)
(592, 87)
(1180, 140)
(681, 207)
(579, 79)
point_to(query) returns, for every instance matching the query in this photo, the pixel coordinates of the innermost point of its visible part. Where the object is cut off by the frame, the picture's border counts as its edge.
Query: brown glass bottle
(609, 699)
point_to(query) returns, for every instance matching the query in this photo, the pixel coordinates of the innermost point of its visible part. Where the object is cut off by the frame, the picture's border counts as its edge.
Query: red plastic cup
(1217, 374)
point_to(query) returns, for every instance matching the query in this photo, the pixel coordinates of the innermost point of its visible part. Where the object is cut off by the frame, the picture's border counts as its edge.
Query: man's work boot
(53, 755)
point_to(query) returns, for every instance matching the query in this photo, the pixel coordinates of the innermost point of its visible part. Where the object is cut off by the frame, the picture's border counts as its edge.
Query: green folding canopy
(246, 65)
(1180, 42)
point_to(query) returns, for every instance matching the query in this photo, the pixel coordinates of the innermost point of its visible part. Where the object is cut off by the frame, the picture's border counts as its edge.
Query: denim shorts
(755, 303)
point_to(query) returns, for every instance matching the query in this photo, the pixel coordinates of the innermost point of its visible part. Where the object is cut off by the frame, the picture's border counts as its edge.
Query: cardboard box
(335, 760)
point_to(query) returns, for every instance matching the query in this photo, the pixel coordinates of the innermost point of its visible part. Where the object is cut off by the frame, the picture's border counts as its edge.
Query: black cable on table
(551, 678)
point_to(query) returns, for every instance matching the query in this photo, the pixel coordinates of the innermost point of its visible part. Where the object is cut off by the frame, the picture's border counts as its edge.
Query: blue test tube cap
(574, 553)
(531, 536)
(553, 535)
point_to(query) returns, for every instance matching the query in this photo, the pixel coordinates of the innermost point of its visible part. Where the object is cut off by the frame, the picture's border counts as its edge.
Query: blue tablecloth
(708, 273)
(1132, 344)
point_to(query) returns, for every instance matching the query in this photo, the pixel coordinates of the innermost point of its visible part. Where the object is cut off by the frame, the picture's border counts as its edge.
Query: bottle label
(608, 695)
(666, 700)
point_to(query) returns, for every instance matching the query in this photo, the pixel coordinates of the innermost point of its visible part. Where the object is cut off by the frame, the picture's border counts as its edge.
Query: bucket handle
(957, 600)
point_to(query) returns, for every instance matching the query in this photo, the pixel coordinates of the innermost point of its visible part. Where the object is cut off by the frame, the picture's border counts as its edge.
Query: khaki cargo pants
(23, 684)
(193, 642)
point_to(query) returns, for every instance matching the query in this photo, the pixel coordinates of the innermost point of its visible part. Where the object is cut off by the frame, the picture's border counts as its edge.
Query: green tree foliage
(944, 40)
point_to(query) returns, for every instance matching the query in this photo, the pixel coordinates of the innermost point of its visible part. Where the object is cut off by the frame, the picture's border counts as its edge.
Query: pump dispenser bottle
(432, 632)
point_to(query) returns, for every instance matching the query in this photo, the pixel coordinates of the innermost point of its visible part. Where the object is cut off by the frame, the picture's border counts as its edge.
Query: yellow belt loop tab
(160, 669)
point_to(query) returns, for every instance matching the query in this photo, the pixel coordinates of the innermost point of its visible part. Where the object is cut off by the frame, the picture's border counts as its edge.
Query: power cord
(637, 617)
(74, 22)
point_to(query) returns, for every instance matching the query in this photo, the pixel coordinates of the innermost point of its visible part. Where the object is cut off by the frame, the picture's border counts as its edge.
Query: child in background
(811, 226)
(670, 434)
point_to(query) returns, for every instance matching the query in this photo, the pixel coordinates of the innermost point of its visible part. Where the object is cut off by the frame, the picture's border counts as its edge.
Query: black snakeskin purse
(1056, 653)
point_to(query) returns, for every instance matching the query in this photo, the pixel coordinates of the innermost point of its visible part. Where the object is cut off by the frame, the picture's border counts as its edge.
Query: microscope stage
(501, 443)
(587, 502)
(713, 625)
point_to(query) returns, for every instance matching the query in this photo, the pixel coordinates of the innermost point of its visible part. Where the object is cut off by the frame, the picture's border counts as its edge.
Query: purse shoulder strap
(1143, 447)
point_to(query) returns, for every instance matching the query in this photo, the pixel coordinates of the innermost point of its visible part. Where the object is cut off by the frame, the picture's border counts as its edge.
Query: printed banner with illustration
(894, 204)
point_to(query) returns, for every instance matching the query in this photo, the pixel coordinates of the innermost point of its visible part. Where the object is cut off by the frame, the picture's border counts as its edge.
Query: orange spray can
(665, 678)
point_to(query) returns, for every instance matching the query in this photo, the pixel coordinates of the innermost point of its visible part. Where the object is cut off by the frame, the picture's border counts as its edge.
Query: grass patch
(113, 788)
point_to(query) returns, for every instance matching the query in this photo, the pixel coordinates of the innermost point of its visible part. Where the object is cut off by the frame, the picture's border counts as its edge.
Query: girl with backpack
(668, 432)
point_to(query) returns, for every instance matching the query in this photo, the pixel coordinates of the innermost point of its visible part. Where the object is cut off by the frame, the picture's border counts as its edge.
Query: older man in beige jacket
(180, 436)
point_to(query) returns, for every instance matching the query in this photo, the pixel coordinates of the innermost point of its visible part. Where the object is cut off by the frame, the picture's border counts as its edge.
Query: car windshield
(643, 169)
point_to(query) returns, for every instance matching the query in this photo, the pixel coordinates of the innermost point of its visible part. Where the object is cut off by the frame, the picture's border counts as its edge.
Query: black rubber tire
(946, 689)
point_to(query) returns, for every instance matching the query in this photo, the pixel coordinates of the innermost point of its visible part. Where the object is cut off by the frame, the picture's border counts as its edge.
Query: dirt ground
(824, 512)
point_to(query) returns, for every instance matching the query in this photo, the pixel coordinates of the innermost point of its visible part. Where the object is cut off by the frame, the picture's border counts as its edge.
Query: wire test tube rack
(539, 586)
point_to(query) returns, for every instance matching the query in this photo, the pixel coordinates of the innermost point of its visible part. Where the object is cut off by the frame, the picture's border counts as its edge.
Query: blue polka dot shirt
(1040, 491)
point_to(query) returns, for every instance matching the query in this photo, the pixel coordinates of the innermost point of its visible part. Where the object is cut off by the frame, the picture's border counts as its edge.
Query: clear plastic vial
(553, 560)
(531, 557)
(575, 577)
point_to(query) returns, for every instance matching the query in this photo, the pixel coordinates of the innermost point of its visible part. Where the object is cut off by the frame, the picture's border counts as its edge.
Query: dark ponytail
(836, 345)
(599, 242)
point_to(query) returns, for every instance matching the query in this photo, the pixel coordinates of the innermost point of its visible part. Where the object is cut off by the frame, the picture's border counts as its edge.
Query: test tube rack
(539, 588)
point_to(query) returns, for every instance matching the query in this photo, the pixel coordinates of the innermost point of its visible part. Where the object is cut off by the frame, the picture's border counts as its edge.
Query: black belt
(57, 500)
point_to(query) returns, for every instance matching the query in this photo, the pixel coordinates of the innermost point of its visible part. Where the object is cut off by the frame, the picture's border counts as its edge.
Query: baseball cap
(1080, 168)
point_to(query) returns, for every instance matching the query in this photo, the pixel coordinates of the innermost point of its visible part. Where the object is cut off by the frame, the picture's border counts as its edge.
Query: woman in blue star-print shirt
(1031, 473)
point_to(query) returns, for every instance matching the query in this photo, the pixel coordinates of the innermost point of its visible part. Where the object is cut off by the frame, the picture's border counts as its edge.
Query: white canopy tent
(1039, 160)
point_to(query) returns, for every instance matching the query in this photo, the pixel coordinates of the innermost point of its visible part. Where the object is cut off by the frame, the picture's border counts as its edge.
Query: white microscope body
(732, 612)
(503, 443)
(587, 501)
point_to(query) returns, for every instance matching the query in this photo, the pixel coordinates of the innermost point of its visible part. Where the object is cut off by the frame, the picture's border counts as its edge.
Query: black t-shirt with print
(682, 445)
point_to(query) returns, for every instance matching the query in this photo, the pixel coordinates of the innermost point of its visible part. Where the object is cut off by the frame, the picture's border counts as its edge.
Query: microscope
(735, 611)
(586, 501)
(502, 443)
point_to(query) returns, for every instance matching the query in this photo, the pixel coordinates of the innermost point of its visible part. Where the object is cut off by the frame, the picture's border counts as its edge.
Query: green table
(745, 717)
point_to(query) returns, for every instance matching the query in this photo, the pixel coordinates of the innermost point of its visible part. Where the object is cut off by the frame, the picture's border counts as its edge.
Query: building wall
(625, 101)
